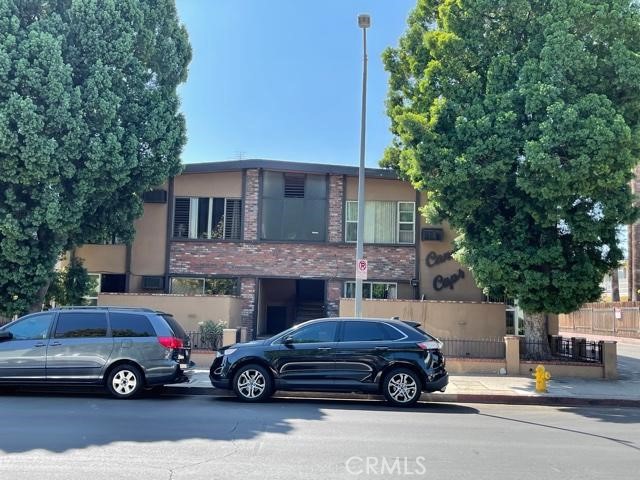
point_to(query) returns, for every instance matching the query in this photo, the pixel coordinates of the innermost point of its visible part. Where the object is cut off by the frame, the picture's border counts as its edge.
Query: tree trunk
(36, 306)
(536, 337)
(615, 286)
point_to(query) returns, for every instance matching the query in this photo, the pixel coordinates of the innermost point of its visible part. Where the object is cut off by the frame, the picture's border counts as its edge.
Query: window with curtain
(207, 217)
(384, 222)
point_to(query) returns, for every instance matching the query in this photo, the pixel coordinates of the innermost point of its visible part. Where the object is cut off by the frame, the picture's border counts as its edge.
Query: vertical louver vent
(294, 186)
(181, 218)
(232, 218)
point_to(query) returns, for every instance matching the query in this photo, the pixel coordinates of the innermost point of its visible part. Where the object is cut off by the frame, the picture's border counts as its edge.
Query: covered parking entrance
(283, 303)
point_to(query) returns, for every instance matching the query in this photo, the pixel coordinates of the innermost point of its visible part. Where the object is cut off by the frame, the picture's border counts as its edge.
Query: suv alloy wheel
(252, 383)
(401, 387)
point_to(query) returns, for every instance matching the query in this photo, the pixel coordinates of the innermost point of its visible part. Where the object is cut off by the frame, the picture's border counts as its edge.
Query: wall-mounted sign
(440, 282)
(434, 258)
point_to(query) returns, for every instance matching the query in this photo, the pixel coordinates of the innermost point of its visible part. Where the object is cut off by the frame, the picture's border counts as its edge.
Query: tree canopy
(519, 118)
(89, 121)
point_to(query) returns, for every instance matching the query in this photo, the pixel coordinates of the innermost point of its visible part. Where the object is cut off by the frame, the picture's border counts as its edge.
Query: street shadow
(627, 415)
(62, 421)
(59, 422)
(628, 368)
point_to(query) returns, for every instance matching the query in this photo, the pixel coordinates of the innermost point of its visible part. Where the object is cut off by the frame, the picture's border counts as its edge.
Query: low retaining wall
(468, 320)
(187, 309)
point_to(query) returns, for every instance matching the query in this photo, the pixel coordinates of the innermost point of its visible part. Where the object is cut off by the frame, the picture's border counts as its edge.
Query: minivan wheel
(401, 387)
(125, 381)
(252, 383)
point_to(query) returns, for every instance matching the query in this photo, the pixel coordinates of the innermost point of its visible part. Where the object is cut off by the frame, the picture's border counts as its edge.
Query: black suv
(124, 349)
(367, 355)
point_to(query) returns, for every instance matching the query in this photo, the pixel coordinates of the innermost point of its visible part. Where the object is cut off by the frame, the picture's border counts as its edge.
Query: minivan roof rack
(104, 307)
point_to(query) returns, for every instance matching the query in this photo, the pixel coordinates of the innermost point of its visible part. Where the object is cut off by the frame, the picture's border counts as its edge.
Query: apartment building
(280, 236)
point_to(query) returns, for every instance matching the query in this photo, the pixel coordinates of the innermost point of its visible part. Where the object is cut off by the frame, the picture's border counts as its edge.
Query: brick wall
(290, 260)
(336, 206)
(252, 185)
(334, 292)
(248, 306)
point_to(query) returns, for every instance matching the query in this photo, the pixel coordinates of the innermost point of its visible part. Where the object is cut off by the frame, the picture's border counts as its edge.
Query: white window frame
(412, 223)
(371, 284)
(398, 222)
(193, 217)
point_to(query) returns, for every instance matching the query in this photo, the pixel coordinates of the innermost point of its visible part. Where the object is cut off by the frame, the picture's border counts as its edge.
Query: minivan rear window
(130, 325)
(178, 331)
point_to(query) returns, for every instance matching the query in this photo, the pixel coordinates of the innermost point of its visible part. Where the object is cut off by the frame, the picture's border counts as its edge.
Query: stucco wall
(187, 309)
(381, 189)
(148, 248)
(219, 184)
(103, 258)
(463, 320)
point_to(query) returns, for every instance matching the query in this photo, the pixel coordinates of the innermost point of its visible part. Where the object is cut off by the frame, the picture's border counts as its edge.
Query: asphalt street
(90, 436)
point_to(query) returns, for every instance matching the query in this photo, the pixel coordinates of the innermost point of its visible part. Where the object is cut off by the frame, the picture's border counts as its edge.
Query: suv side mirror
(5, 336)
(288, 341)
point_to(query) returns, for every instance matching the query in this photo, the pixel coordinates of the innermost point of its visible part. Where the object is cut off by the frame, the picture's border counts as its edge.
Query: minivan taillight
(171, 342)
(430, 345)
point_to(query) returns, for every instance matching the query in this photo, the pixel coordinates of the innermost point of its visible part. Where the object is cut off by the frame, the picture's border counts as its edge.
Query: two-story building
(281, 237)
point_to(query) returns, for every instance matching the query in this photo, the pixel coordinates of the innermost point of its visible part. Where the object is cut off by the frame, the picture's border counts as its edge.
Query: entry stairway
(309, 311)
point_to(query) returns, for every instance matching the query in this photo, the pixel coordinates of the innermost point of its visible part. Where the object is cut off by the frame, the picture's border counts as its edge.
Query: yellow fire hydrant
(542, 377)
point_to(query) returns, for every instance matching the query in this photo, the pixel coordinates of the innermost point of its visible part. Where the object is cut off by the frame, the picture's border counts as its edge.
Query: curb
(428, 397)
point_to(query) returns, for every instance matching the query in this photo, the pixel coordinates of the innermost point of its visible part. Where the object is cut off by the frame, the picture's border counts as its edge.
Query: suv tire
(401, 387)
(252, 383)
(125, 381)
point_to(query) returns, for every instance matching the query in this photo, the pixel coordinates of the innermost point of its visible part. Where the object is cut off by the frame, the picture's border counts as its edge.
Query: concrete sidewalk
(467, 389)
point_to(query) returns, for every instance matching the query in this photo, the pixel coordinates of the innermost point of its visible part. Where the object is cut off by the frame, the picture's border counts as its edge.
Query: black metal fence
(202, 342)
(489, 348)
(562, 348)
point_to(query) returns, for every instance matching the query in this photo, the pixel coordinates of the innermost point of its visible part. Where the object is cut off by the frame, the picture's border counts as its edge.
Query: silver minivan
(124, 349)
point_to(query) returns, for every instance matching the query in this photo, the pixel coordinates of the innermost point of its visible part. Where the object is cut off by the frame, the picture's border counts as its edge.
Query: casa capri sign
(440, 282)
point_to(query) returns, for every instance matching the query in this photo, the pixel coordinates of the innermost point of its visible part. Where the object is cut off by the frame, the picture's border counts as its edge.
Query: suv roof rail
(105, 307)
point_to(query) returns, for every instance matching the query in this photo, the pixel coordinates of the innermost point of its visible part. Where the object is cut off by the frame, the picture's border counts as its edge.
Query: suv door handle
(382, 349)
(324, 349)
(55, 344)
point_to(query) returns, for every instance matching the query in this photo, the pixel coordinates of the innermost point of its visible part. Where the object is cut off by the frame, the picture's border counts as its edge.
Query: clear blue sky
(282, 79)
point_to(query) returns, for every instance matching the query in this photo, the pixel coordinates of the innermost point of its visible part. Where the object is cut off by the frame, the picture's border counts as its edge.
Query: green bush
(211, 333)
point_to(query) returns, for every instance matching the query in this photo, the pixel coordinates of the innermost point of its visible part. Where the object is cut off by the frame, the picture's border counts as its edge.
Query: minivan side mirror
(4, 335)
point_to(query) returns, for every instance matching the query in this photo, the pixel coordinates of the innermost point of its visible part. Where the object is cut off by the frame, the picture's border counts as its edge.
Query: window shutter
(181, 218)
(294, 186)
(232, 216)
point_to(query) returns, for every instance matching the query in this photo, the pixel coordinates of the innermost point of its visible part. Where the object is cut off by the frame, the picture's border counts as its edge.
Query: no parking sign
(361, 269)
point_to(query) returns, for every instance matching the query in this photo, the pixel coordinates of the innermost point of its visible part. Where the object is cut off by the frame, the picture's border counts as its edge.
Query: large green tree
(520, 119)
(89, 121)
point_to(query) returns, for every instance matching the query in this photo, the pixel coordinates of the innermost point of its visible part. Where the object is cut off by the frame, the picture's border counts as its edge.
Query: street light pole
(364, 22)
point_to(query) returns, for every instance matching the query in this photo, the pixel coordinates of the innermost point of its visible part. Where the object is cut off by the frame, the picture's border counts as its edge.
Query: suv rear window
(130, 325)
(81, 325)
(360, 331)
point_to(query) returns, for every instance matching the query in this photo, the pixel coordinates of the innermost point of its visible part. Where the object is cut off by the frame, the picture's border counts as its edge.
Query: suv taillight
(430, 345)
(171, 342)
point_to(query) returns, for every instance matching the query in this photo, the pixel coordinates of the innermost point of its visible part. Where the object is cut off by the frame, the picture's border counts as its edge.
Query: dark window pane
(203, 218)
(34, 327)
(272, 218)
(181, 218)
(178, 331)
(293, 219)
(81, 325)
(130, 325)
(316, 187)
(315, 217)
(362, 332)
(316, 333)
(112, 283)
(217, 221)
(273, 185)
